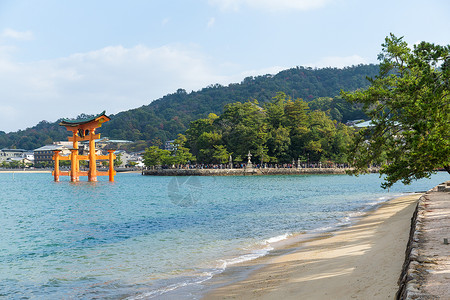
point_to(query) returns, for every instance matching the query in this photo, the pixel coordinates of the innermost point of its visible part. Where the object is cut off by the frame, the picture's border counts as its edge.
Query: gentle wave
(172, 287)
(277, 238)
(222, 265)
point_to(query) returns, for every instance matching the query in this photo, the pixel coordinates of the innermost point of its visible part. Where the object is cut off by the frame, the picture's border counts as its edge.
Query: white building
(169, 145)
(6, 154)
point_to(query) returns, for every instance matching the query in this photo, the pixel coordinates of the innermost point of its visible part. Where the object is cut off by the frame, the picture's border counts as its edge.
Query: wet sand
(363, 261)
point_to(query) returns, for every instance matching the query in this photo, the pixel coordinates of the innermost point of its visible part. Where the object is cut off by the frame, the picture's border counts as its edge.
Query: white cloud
(18, 35)
(112, 79)
(227, 4)
(270, 5)
(339, 61)
(211, 22)
(165, 21)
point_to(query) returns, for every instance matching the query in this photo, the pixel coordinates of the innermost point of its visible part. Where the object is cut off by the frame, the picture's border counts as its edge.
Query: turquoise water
(146, 237)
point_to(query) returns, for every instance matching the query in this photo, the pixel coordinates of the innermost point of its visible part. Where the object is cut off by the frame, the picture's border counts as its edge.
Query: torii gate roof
(102, 117)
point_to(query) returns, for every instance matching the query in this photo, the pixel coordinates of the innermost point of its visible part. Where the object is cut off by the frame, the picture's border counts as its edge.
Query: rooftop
(77, 122)
(13, 150)
(50, 148)
(363, 124)
(107, 140)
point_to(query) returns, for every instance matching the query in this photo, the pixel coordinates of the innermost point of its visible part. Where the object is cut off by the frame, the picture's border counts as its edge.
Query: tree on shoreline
(280, 131)
(409, 105)
(155, 156)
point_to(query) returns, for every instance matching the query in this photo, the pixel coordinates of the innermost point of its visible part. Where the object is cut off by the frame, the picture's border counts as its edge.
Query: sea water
(144, 237)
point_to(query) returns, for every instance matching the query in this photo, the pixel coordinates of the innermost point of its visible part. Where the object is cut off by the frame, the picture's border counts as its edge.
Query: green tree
(278, 144)
(275, 110)
(321, 133)
(154, 156)
(220, 154)
(118, 161)
(341, 143)
(278, 138)
(83, 163)
(46, 164)
(201, 134)
(132, 164)
(409, 105)
(14, 164)
(280, 131)
(296, 120)
(65, 163)
(156, 142)
(206, 144)
(245, 129)
(181, 153)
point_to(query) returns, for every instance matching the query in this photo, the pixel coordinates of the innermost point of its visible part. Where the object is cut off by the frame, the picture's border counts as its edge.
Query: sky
(59, 59)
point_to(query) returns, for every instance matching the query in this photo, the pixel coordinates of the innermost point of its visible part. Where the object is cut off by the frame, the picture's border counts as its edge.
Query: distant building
(108, 143)
(83, 149)
(29, 155)
(353, 122)
(101, 146)
(363, 124)
(169, 145)
(6, 154)
(21, 160)
(136, 160)
(64, 143)
(45, 153)
(124, 157)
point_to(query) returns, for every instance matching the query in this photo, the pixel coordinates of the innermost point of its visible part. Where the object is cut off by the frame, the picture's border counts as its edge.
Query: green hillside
(166, 117)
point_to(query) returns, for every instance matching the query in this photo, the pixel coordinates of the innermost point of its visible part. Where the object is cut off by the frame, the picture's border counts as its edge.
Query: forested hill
(166, 117)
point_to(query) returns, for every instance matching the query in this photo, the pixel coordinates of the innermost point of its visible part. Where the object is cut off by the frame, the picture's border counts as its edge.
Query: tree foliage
(409, 104)
(118, 160)
(154, 156)
(181, 154)
(279, 131)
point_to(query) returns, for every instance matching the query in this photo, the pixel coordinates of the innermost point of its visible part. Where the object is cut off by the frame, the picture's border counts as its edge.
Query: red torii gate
(84, 130)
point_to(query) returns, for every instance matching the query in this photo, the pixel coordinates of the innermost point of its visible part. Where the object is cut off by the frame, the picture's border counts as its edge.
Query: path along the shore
(426, 273)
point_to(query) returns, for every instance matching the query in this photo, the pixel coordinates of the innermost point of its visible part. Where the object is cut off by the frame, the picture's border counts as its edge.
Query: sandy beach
(362, 261)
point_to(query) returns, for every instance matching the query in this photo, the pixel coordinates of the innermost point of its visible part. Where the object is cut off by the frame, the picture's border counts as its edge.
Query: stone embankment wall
(243, 172)
(425, 273)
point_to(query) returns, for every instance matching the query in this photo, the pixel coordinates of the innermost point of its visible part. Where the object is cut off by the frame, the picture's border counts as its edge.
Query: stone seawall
(425, 273)
(242, 172)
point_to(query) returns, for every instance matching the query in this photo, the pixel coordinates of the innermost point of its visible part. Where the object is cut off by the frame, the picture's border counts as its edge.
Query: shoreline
(51, 170)
(248, 171)
(360, 261)
(25, 171)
